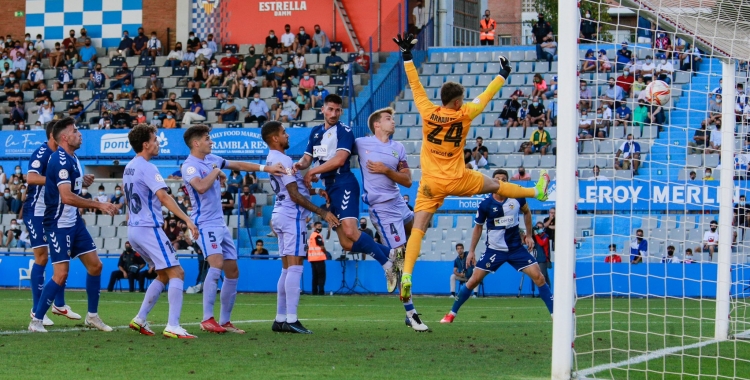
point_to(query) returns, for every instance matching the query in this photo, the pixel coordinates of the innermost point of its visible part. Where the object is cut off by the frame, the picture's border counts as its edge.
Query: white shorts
(292, 233)
(154, 246)
(217, 240)
(389, 218)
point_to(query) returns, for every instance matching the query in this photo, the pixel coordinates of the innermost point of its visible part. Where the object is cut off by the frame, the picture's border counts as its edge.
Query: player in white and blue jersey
(289, 219)
(201, 173)
(329, 147)
(33, 214)
(145, 191)
(504, 244)
(64, 229)
(384, 167)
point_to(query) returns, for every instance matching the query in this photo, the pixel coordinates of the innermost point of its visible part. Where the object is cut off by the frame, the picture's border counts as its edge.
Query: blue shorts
(292, 233)
(36, 230)
(344, 195)
(492, 259)
(389, 218)
(67, 243)
(217, 240)
(154, 246)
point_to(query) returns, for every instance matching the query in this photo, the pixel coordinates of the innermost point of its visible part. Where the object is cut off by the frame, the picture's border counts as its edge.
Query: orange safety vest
(314, 253)
(483, 24)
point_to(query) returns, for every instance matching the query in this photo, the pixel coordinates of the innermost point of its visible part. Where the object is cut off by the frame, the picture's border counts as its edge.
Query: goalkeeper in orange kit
(442, 161)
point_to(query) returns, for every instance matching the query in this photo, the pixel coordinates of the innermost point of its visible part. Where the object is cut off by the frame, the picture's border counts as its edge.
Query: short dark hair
(333, 98)
(318, 222)
(639, 230)
(60, 126)
(50, 127)
(500, 171)
(713, 222)
(450, 91)
(613, 246)
(269, 129)
(459, 244)
(690, 250)
(194, 132)
(139, 135)
(670, 246)
(259, 241)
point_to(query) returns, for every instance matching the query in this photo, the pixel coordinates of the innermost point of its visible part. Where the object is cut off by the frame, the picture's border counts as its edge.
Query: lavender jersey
(34, 204)
(378, 187)
(207, 210)
(284, 204)
(62, 168)
(141, 181)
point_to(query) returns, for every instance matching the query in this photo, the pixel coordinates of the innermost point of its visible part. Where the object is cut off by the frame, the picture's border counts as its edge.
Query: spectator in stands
(709, 176)
(321, 43)
(46, 111)
(307, 82)
(287, 110)
(197, 113)
(172, 105)
(625, 81)
(586, 126)
(603, 63)
(461, 271)
(523, 113)
(478, 161)
(71, 56)
(509, 114)
(613, 93)
(227, 201)
(75, 107)
(521, 175)
(228, 111)
(670, 258)
(70, 41)
(613, 257)
(714, 109)
(647, 70)
(537, 113)
(605, 119)
(96, 78)
(124, 48)
(333, 63)
(631, 155)
(85, 194)
(257, 111)
(319, 93)
(406, 199)
(690, 59)
(275, 75)
(710, 241)
(140, 43)
(156, 120)
(279, 93)
(259, 251)
(638, 248)
(118, 199)
(701, 139)
(662, 44)
(6, 64)
(540, 85)
(56, 56)
(175, 57)
(234, 181)
(480, 147)
(272, 43)
(81, 41)
(247, 201)
(552, 111)
(664, 70)
(741, 214)
(229, 62)
(542, 248)
(302, 41)
(232, 81)
(121, 119)
(40, 96)
(120, 76)
(715, 140)
(624, 57)
(640, 113)
(88, 55)
(169, 122)
(214, 74)
(585, 96)
(623, 115)
(126, 91)
(211, 43)
(656, 115)
(139, 118)
(248, 86)
(692, 175)
(287, 40)
(597, 175)
(540, 140)
(19, 66)
(64, 79)
(188, 58)
(17, 113)
(204, 53)
(590, 28)
(302, 99)
(361, 63)
(105, 122)
(300, 63)
(549, 49)
(540, 30)
(688, 259)
(193, 43)
(291, 74)
(128, 266)
(589, 62)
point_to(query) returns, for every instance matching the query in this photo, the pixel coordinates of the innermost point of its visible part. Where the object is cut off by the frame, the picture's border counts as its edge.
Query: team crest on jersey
(63, 174)
(190, 170)
(489, 265)
(214, 245)
(36, 164)
(394, 154)
(511, 206)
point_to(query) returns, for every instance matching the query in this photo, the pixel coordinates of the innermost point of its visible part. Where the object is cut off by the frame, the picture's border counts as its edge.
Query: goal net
(659, 271)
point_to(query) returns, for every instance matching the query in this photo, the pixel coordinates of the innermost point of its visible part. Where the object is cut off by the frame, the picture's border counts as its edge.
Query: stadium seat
(513, 161)
(484, 56)
(445, 221)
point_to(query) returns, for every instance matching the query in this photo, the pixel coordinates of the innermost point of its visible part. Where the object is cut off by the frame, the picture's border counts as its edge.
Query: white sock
(291, 318)
(280, 317)
(388, 265)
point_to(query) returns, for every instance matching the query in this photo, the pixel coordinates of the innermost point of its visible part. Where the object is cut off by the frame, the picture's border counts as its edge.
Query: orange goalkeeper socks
(413, 247)
(511, 190)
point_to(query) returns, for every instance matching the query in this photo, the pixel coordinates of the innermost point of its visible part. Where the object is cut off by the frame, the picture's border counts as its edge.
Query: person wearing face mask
(542, 247)
(229, 111)
(19, 65)
(287, 40)
(361, 62)
(590, 28)
(288, 110)
(169, 121)
(214, 74)
(613, 257)
(247, 203)
(302, 41)
(154, 46)
(56, 55)
(670, 258)
(121, 74)
(586, 127)
(128, 266)
(252, 61)
(291, 74)
(320, 42)
(197, 112)
(227, 200)
(521, 175)
(540, 30)
(333, 63)
(623, 115)
(585, 95)
(631, 155)
(280, 93)
(87, 54)
(175, 57)
(363, 229)
(537, 114)
(638, 248)
(124, 48)
(229, 62)
(193, 43)
(5, 61)
(140, 43)
(664, 69)
(624, 56)
(647, 70)
(46, 111)
(81, 40)
(540, 140)
(154, 88)
(625, 81)
(487, 27)
(171, 105)
(101, 197)
(258, 111)
(318, 94)
(70, 40)
(589, 62)
(663, 45)
(64, 79)
(96, 79)
(118, 199)
(317, 255)
(272, 42)
(85, 194)
(710, 241)
(307, 82)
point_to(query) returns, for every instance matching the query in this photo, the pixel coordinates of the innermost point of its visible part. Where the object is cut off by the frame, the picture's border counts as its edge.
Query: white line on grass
(651, 356)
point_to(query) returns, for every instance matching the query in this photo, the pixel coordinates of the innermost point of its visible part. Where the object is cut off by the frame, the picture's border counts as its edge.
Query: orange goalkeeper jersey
(444, 130)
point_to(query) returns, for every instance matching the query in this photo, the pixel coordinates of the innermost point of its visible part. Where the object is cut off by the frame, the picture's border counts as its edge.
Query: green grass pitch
(354, 337)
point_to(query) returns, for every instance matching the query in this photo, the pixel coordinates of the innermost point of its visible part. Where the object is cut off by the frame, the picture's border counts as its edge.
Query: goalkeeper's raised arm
(477, 105)
(421, 100)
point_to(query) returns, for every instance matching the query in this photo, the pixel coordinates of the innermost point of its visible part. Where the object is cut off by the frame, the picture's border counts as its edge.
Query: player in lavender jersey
(145, 191)
(201, 173)
(384, 167)
(289, 217)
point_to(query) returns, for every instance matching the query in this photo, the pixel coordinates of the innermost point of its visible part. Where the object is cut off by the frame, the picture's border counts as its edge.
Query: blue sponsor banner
(241, 143)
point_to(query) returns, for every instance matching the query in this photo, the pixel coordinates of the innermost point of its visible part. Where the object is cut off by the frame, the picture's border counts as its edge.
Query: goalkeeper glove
(405, 43)
(505, 68)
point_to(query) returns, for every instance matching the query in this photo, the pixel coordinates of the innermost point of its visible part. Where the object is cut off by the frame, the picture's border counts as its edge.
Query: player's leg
(292, 286)
(280, 319)
(60, 268)
(536, 275)
(229, 289)
(476, 278)
(37, 280)
(414, 244)
(209, 241)
(511, 190)
(93, 266)
(138, 239)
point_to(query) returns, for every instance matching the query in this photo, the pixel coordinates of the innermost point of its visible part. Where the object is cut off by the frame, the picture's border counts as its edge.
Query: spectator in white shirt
(205, 52)
(670, 258)
(715, 140)
(288, 111)
(287, 39)
(420, 18)
(664, 70)
(597, 176)
(631, 154)
(647, 70)
(710, 241)
(175, 57)
(478, 161)
(154, 46)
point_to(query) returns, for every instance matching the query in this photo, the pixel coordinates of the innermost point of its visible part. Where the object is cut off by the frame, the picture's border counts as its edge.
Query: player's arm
(171, 205)
(333, 164)
(276, 169)
(201, 185)
(475, 235)
(529, 228)
(304, 162)
(301, 200)
(480, 102)
(67, 197)
(421, 100)
(34, 178)
(401, 176)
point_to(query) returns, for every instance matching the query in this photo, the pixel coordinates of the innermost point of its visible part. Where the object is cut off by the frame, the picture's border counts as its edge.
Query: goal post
(660, 317)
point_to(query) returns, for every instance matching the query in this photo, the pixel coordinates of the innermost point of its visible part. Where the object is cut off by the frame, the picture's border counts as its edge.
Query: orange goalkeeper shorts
(432, 191)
